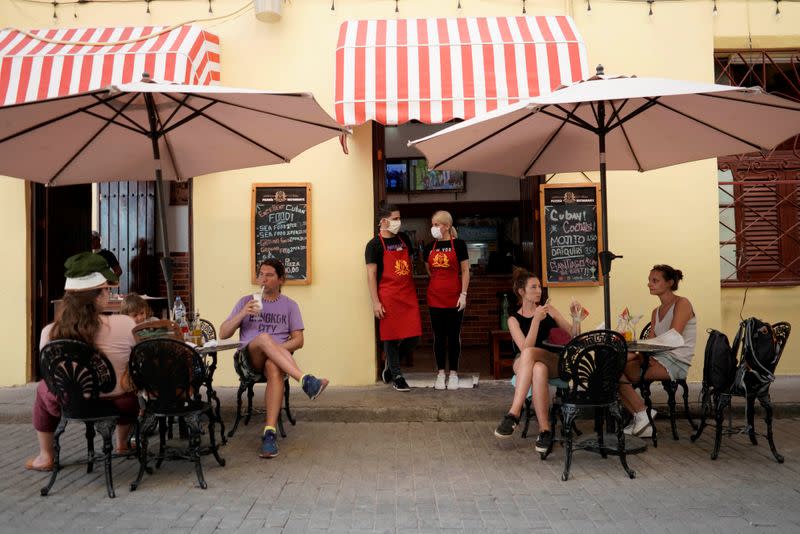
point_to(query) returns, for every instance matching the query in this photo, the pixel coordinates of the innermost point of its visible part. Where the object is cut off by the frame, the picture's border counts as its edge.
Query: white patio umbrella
(152, 131)
(618, 123)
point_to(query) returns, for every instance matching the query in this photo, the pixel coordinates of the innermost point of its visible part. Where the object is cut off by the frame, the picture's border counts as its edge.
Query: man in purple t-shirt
(271, 329)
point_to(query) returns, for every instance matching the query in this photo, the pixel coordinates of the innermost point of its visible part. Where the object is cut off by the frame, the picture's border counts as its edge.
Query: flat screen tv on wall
(396, 175)
(421, 179)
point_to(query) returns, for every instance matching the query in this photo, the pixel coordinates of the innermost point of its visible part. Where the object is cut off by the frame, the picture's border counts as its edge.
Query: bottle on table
(197, 332)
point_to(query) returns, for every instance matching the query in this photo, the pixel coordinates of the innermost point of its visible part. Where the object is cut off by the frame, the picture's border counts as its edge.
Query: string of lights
(524, 7)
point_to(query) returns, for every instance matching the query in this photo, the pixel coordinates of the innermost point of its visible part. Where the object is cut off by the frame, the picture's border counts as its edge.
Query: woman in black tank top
(530, 325)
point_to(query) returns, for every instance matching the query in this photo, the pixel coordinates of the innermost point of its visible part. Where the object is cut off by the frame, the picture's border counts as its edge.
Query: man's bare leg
(273, 394)
(264, 348)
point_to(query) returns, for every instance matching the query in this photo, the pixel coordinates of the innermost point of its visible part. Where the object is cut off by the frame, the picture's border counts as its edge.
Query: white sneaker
(640, 426)
(452, 382)
(439, 384)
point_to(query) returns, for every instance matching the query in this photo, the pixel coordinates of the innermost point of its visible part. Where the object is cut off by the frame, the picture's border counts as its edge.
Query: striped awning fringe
(435, 70)
(46, 63)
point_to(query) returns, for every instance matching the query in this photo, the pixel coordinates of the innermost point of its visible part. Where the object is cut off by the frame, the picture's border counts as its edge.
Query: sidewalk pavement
(380, 403)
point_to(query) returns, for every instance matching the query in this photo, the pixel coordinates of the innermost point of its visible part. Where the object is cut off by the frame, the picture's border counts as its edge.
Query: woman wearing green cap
(86, 292)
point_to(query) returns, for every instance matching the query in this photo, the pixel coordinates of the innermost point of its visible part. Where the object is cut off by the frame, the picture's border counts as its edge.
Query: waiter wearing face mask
(394, 297)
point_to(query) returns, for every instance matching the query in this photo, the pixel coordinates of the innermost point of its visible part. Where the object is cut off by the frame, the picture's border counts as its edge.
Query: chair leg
(705, 408)
(146, 426)
(671, 387)
(766, 403)
(211, 395)
(162, 440)
(212, 440)
(599, 416)
(527, 411)
(286, 408)
(239, 393)
(193, 422)
(250, 394)
(62, 425)
(90, 434)
(569, 412)
(721, 401)
(751, 419)
(682, 383)
(106, 429)
(616, 414)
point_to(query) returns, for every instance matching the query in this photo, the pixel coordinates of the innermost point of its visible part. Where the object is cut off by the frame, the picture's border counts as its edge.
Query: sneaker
(452, 382)
(313, 386)
(544, 442)
(400, 384)
(269, 444)
(506, 427)
(640, 426)
(439, 384)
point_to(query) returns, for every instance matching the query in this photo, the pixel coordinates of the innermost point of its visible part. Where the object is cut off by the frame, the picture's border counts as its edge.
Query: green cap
(88, 270)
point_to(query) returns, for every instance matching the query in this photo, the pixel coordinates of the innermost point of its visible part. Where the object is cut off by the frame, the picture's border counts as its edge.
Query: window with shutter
(759, 196)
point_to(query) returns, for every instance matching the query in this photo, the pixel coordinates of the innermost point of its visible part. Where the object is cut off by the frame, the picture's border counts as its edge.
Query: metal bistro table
(633, 444)
(210, 352)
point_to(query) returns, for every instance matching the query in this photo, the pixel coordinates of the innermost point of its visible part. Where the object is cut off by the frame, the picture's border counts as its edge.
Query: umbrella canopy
(152, 131)
(618, 123)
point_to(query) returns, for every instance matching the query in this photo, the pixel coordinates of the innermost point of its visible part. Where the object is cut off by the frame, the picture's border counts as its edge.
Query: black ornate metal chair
(167, 373)
(591, 365)
(248, 378)
(210, 333)
(671, 388)
(77, 374)
(755, 386)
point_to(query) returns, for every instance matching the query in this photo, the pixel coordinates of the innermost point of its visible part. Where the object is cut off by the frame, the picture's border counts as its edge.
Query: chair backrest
(77, 374)
(645, 331)
(592, 364)
(781, 331)
(167, 370)
(209, 332)
(154, 329)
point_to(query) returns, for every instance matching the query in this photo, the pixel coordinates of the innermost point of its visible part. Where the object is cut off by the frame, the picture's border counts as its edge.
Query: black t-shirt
(374, 250)
(547, 324)
(444, 246)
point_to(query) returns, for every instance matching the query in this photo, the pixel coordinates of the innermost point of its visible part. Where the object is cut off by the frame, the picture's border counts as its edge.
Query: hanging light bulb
(524, 11)
(333, 5)
(778, 8)
(714, 11)
(148, 6)
(55, 4)
(650, 3)
(75, 10)
(396, 6)
(209, 7)
(459, 5)
(588, 5)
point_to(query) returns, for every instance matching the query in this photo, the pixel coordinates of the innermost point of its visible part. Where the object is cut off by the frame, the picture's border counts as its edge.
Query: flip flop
(30, 467)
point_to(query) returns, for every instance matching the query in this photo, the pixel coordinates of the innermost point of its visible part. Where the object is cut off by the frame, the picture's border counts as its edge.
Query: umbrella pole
(605, 256)
(166, 259)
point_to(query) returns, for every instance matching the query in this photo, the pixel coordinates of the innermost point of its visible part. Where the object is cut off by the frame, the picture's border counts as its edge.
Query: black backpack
(719, 366)
(759, 355)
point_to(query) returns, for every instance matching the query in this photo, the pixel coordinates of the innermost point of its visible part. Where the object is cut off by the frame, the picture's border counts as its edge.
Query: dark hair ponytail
(670, 274)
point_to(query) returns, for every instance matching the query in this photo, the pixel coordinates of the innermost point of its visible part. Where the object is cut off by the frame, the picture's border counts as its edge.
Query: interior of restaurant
(488, 215)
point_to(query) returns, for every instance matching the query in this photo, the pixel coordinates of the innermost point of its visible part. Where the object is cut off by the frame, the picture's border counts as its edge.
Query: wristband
(463, 293)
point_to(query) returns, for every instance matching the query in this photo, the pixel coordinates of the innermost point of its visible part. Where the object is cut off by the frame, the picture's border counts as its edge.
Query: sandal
(30, 467)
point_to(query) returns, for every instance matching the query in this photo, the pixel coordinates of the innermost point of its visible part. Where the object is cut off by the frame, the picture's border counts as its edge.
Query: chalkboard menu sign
(281, 223)
(570, 230)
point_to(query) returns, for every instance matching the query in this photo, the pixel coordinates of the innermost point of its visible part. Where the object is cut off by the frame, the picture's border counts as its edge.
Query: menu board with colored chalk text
(281, 228)
(571, 230)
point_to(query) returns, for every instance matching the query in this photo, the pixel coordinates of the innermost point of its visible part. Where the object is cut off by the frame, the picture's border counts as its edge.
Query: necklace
(272, 300)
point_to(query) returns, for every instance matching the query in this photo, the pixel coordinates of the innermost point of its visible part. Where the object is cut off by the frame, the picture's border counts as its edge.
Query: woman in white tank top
(674, 313)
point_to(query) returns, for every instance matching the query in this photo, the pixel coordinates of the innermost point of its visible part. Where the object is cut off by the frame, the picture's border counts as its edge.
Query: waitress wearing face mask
(394, 297)
(447, 263)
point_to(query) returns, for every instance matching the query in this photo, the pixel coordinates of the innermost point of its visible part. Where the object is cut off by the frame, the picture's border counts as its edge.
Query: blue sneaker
(269, 444)
(313, 386)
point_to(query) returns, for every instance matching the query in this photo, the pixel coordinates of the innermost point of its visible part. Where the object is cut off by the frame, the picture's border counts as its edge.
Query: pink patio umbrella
(617, 123)
(147, 131)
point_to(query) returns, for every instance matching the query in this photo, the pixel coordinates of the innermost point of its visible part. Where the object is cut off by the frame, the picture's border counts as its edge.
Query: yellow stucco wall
(667, 215)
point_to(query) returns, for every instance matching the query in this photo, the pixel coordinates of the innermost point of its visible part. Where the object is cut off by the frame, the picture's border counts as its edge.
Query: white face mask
(436, 232)
(393, 226)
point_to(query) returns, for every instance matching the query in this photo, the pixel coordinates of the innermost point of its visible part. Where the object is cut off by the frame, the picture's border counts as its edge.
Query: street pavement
(445, 476)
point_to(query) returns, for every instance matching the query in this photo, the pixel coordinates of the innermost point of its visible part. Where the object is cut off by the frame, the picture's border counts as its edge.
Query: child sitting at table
(530, 326)
(136, 308)
(675, 313)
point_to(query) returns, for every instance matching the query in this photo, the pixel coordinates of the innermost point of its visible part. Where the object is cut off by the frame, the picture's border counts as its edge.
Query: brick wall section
(181, 283)
(482, 314)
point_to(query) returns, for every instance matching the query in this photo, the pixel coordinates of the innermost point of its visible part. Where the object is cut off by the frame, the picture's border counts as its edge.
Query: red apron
(398, 296)
(445, 286)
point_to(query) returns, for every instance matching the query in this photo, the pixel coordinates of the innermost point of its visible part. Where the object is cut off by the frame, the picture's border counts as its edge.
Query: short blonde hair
(444, 217)
(133, 304)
